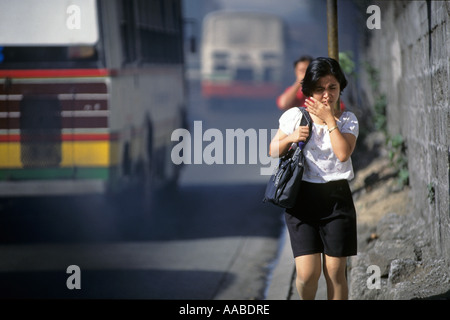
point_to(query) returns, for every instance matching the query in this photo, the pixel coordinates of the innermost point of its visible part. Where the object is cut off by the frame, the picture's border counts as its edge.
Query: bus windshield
(57, 33)
(245, 30)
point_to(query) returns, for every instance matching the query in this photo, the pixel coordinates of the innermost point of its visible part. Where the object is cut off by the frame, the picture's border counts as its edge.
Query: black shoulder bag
(282, 189)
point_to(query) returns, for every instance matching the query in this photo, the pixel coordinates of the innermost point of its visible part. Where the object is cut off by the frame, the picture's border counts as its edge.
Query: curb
(282, 277)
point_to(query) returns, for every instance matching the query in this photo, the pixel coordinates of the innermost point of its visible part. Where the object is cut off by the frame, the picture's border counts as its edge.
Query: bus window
(71, 24)
(65, 39)
(39, 57)
(155, 21)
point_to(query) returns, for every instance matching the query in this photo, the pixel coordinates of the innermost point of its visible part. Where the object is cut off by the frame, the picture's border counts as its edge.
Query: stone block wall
(411, 51)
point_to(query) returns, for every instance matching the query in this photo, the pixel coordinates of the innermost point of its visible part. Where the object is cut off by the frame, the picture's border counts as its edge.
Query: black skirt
(323, 220)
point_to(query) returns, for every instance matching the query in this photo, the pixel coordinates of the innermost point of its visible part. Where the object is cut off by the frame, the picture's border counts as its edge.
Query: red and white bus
(243, 55)
(90, 92)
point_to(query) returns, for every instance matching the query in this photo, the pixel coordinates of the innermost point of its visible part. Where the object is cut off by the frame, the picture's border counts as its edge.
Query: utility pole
(332, 29)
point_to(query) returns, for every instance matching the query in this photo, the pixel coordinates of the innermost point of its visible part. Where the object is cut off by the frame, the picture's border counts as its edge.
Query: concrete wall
(411, 52)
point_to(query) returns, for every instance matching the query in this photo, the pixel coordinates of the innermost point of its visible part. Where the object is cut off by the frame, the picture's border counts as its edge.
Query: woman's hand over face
(321, 110)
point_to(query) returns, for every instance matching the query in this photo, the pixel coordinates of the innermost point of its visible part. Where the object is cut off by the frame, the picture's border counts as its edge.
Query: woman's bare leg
(308, 269)
(334, 272)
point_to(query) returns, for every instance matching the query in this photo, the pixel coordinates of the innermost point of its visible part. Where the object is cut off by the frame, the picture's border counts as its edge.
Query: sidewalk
(282, 280)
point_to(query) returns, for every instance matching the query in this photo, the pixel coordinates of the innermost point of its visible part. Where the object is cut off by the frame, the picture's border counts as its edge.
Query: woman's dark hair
(319, 68)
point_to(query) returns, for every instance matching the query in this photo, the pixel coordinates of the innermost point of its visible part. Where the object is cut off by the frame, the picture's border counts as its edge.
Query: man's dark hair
(319, 68)
(303, 59)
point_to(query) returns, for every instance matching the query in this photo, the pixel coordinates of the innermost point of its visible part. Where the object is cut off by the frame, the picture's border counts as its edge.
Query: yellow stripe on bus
(10, 155)
(74, 153)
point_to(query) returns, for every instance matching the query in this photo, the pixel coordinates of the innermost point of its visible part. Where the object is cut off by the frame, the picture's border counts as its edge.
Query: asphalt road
(206, 242)
(211, 238)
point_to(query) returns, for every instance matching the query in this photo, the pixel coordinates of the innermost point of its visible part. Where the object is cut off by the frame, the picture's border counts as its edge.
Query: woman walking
(322, 226)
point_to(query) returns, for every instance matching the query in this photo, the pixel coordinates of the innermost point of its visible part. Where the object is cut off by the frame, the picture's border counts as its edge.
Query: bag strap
(297, 148)
(306, 121)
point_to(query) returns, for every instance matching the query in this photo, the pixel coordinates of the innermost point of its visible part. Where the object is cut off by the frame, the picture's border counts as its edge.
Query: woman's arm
(343, 144)
(287, 99)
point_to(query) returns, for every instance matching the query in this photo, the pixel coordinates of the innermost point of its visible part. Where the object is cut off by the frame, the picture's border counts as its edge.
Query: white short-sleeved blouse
(322, 165)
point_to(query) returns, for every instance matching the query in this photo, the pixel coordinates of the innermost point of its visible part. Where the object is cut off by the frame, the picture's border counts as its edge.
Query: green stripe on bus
(54, 173)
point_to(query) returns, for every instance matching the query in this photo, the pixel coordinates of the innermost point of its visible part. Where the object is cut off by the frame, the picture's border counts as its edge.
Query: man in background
(293, 95)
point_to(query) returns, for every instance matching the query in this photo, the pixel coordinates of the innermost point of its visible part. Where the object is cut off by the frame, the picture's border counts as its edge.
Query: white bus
(90, 92)
(243, 55)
